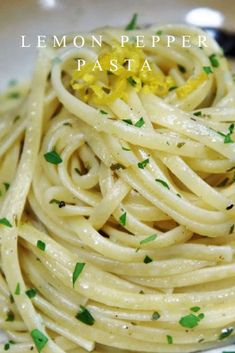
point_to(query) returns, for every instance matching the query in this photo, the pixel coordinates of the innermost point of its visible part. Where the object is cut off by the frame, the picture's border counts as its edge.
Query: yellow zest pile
(103, 87)
(101, 84)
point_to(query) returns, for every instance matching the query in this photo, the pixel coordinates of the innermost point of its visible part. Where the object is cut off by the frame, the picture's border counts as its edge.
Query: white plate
(34, 17)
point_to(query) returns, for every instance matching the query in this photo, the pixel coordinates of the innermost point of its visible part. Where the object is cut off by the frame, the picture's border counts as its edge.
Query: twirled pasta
(117, 195)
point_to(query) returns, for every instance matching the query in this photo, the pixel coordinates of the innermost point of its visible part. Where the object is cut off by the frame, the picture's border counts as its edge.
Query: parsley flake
(31, 293)
(214, 60)
(85, 316)
(226, 332)
(53, 157)
(41, 245)
(143, 164)
(163, 183)
(207, 70)
(40, 340)
(147, 259)
(156, 315)
(140, 122)
(133, 23)
(4, 221)
(148, 239)
(77, 271)
(122, 219)
(131, 81)
(17, 290)
(169, 339)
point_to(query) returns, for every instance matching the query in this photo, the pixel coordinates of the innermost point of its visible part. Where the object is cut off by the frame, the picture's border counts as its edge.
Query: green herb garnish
(156, 315)
(85, 316)
(227, 137)
(7, 185)
(122, 219)
(143, 164)
(207, 70)
(148, 239)
(14, 95)
(169, 339)
(197, 113)
(17, 290)
(40, 340)
(180, 144)
(77, 271)
(53, 157)
(131, 81)
(128, 121)
(140, 122)
(103, 112)
(214, 60)
(163, 183)
(226, 332)
(133, 23)
(195, 309)
(191, 320)
(4, 221)
(41, 245)
(231, 230)
(31, 293)
(147, 259)
(10, 316)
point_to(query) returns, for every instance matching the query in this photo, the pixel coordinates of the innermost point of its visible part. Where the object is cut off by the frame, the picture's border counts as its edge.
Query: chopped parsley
(122, 219)
(41, 245)
(169, 339)
(147, 259)
(225, 332)
(231, 230)
(227, 137)
(17, 290)
(14, 95)
(195, 309)
(163, 183)
(143, 164)
(131, 81)
(4, 221)
(191, 320)
(31, 293)
(7, 185)
(53, 157)
(140, 122)
(10, 316)
(128, 121)
(58, 202)
(125, 149)
(103, 112)
(172, 88)
(133, 23)
(148, 239)
(207, 70)
(156, 315)
(182, 69)
(197, 113)
(214, 60)
(77, 171)
(40, 340)
(77, 271)
(180, 144)
(85, 316)
(67, 124)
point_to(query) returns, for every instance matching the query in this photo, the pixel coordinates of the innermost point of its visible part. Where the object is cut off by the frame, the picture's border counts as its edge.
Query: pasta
(117, 198)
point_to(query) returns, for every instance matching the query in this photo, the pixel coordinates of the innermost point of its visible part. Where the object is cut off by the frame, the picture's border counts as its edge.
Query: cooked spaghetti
(117, 199)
